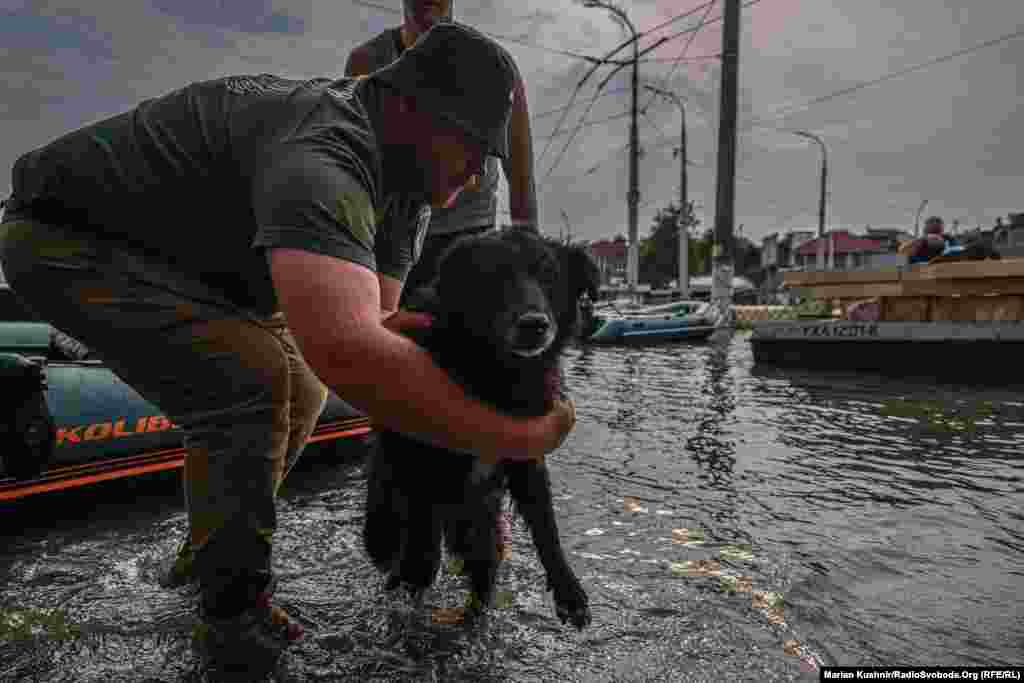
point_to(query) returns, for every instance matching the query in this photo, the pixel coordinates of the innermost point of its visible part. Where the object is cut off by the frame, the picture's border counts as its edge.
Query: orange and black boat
(66, 420)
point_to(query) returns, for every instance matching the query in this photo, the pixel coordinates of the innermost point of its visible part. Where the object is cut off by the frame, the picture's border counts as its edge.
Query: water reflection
(709, 447)
(885, 514)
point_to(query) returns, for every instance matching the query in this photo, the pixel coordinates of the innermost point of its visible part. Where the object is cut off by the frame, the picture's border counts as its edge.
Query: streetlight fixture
(821, 199)
(633, 197)
(684, 208)
(917, 218)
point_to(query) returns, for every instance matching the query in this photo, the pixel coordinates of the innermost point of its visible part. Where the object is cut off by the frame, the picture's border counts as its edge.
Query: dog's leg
(477, 544)
(531, 491)
(420, 555)
(382, 524)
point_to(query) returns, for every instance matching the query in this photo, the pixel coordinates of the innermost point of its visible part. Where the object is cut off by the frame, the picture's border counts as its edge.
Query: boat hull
(962, 352)
(637, 330)
(102, 430)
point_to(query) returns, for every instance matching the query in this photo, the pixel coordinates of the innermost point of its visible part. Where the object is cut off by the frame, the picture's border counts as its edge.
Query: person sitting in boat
(934, 243)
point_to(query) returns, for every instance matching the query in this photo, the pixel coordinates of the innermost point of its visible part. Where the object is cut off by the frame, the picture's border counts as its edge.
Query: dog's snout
(534, 322)
(531, 334)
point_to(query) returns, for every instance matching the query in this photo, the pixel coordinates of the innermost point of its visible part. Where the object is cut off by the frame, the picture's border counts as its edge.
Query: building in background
(777, 256)
(610, 256)
(846, 251)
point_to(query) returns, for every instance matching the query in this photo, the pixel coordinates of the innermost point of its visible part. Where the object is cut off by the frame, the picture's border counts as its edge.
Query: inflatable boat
(668, 322)
(66, 420)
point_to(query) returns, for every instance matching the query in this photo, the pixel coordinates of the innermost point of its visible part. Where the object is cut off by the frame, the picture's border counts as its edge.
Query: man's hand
(563, 415)
(553, 428)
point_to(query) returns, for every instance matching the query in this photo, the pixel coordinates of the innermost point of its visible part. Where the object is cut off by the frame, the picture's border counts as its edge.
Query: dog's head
(513, 293)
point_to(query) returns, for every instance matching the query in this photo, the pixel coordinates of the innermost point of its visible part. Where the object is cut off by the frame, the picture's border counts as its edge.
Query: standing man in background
(475, 210)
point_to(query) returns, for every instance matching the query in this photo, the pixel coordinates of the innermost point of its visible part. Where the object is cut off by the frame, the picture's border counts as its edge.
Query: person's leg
(221, 374)
(308, 397)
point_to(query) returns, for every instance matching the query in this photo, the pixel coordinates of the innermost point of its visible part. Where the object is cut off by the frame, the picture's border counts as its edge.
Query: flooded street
(729, 523)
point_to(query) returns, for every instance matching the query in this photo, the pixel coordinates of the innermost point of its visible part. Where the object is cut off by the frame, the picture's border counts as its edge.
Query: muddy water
(730, 522)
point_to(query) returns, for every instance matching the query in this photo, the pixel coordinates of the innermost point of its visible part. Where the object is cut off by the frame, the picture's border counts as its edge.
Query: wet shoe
(179, 573)
(249, 643)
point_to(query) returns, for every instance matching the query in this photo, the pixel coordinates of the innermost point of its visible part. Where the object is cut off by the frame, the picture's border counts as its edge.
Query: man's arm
(333, 310)
(522, 189)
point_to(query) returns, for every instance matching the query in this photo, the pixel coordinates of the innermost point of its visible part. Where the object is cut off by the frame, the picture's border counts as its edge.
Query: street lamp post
(821, 199)
(684, 209)
(633, 196)
(917, 218)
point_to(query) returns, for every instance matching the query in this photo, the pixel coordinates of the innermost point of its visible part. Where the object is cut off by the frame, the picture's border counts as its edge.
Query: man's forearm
(399, 385)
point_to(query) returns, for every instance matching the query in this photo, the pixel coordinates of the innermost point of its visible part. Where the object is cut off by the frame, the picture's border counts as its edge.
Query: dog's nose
(538, 323)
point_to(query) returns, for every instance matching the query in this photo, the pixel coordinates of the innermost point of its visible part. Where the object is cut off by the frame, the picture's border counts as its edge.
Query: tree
(659, 252)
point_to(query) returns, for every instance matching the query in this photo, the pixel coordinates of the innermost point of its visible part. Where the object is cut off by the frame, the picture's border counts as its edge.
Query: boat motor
(27, 431)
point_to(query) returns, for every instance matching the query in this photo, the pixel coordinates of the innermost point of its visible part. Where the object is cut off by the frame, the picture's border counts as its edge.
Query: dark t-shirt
(208, 176)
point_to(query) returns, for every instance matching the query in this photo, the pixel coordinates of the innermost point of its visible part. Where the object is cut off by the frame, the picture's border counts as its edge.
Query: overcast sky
(951, 133)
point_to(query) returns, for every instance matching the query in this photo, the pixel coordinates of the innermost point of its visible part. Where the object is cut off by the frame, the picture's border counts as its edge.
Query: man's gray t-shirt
(473, 208)
(208, 176)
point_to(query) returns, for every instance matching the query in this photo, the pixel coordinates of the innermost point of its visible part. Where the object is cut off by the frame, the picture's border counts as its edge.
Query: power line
(537, 46)
(605, 93)
(661, 131)
(579, 85)
(589, 124)
(680, 59)
(691, 31)
(511, 39)
(787, 110)
(682, 54)
(783, 112)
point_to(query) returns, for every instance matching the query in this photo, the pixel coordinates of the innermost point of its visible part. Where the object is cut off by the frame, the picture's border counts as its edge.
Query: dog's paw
(572, 605)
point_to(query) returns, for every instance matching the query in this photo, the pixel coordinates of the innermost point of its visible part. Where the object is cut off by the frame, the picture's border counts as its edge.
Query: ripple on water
(729, 521)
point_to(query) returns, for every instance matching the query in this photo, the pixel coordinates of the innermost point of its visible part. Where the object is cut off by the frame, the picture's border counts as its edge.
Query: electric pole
(684, 209)
(723, 266)
(821, 195)
(633, 195)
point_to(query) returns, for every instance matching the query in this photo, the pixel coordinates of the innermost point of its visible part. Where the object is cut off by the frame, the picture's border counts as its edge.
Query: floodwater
(730, 522)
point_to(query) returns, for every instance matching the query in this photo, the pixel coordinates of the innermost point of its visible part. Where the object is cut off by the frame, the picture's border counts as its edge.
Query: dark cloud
(951, 134)
(24, 30)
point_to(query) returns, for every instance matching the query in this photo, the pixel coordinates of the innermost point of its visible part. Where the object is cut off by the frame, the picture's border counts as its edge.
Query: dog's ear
(583, 275)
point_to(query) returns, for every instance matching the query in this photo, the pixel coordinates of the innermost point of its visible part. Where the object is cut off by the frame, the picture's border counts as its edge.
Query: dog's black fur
(498, 298)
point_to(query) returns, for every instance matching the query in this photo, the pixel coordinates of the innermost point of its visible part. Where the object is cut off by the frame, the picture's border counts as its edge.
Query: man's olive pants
(234, 381)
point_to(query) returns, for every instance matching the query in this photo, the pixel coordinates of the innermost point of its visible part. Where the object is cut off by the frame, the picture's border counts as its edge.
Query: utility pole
(684, 208)
(917, 218)
(723, 266)
(821, 196)
(633, 195)
(568, 227)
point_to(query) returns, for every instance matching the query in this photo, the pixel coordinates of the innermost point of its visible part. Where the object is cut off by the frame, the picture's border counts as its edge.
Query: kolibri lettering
(100, 431)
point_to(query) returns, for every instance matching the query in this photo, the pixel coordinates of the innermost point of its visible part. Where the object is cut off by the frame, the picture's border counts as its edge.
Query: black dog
(505, 306)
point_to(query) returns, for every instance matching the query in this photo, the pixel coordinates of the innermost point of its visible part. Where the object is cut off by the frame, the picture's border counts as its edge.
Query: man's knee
(309, 396)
